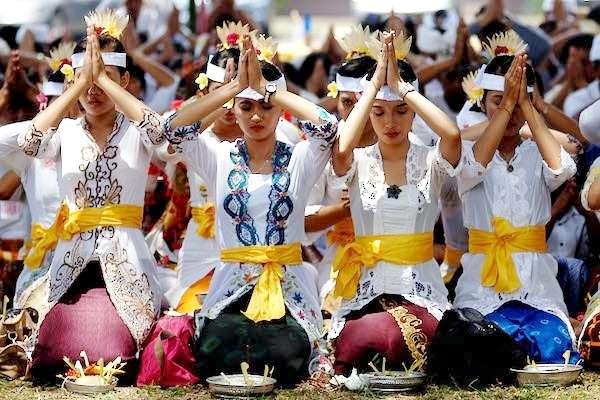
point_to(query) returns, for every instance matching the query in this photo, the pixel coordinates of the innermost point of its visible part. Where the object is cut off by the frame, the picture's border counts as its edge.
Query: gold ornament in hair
(231, 34)
(360, 42)
(472, 90)
(503, 44)
(402, 43)
(332, 90)
(265, 46)
(60, 55)
(108, 22)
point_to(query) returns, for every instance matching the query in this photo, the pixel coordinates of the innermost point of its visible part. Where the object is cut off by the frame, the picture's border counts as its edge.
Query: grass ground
(589, 388)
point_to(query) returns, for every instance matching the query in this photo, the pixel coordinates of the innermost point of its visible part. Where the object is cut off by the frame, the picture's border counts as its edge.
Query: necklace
(266, 163)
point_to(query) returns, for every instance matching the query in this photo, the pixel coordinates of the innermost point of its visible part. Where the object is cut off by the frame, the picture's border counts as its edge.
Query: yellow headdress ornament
(108, 22)
(60, 55)
(473, 91)
(360, 42)
(266, 47)
(503, 44)
(402, 43)
(231, 34)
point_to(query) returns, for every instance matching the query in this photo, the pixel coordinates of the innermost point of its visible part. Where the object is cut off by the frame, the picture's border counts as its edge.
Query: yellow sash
(452, 258)
(42, 241)
(205, 220)
(86, 219)
(267, 301)
(342, 233)
(366, 251)
(498, 269)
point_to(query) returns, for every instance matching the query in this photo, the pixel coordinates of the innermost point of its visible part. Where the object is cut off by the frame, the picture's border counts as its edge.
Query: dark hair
(308, 65)
(499, 65)
(136, 72)
(404, 68)
(222, 56)
(269, 71)
(57, 77)
(491, 29)
(580, 41)
(357, 67)
(107, 43)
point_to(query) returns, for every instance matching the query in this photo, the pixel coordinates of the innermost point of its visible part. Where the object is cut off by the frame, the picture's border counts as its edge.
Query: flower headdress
(108, 22)
(60, 55)
(360, 42)
(265, 46)
(503, 44)
(231, 34)
(473, 91)
(402, 43)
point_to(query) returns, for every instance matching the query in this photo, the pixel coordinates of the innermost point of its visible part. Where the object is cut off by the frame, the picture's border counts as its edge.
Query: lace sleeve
(471, 172)
(36, 143)
(178, 137)
(151, 128)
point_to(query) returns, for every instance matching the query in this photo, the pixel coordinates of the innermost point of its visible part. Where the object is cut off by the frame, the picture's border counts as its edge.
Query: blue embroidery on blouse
(182, 134)
(236, 202)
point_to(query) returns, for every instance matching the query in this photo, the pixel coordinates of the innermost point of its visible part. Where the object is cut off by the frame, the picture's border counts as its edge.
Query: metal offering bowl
(233, 386)
(399, 381)
(71, 386)
(548, 374)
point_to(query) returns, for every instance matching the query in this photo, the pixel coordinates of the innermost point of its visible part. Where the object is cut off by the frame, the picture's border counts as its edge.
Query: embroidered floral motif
(236, 202)
(182, 134)
(415, 339)
(325, 131)
(31, 142)
(152, 127)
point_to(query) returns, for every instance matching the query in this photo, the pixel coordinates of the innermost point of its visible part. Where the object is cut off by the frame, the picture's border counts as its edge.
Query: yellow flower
(332, 90)
(55, 65)
(202, 81)
(68, 72)
(229, 104)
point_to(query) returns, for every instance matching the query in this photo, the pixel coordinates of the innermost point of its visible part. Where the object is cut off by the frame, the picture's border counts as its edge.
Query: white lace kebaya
(414, 208)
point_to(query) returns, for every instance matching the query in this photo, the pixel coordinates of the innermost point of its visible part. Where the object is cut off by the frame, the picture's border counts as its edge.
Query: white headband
(386, 93)
(109, 58)
(348, 84)
(252, 94)
(52, 88)
(214, 72)
(492, 82)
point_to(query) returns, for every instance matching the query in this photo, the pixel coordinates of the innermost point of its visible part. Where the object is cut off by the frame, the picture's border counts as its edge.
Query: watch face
(271, 87)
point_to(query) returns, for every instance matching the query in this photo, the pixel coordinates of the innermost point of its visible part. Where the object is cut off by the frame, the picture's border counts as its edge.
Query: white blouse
(518, 191)
(39, 180)
(256, 209)
(416, 210)
(91, 177)
(593, 175)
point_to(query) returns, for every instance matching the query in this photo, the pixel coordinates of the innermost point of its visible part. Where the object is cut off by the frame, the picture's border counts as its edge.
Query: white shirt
(589, 123)
(39, 181)
(581, 99)
(593, 175)
(569, 236)
(523, 198)
(90, 177)
(416, 210)
(246, 204)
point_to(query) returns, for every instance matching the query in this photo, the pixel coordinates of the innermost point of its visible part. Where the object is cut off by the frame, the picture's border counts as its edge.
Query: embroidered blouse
(412, 208)
(260, 209)
(593, 175)
(91, 177)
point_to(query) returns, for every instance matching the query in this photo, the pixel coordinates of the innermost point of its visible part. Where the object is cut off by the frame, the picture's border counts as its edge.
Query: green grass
(589, 388)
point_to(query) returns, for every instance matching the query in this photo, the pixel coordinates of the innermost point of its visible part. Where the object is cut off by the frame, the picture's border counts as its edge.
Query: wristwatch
(270, 90)
(405, 88)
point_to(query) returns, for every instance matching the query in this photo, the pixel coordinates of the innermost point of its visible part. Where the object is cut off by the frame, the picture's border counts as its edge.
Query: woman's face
(228, 118)
(493, 98)
(391, 121)
(94, 101)
(257, 119)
